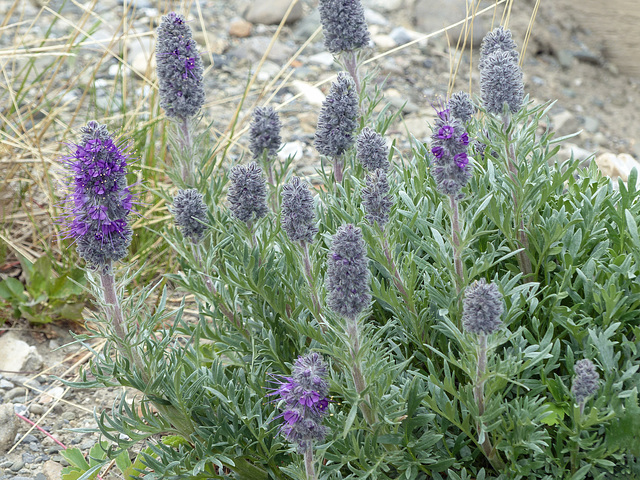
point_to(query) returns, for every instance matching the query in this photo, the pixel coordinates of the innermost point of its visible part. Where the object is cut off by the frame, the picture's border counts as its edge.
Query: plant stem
(351, 63)
(356, 372)
(397, 280)
(338, 166)
(312, 286)
(521, 236)
(457, 253)
(187, 145)
(478, 394)
(308, 464)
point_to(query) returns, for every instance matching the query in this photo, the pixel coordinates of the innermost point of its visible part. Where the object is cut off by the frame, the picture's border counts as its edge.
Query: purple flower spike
(585, 383)
(304, 394)
(99, 201)
(180, 69)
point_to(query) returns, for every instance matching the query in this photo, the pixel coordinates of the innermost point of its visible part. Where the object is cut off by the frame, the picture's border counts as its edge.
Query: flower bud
(585, 383)
(482, 308)
(372, 150)
(190, 212)
(264, 132)
(298, 218)
(343, 25)
(247, 193)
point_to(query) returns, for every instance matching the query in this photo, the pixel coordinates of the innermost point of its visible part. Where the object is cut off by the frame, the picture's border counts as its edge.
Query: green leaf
(350, 420)
(12, 289)
(554, 414)
(174, 441)
(74, 457)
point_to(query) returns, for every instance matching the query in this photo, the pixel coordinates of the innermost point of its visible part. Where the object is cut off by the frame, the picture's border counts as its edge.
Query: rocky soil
(563, 62)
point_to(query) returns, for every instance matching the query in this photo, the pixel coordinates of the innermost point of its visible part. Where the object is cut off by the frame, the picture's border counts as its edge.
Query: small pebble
(15, 392)
(6, 384)
(21, 409)
(29, 438)
(41, 476)
(36, 408)
(69, 415)
(17, 466)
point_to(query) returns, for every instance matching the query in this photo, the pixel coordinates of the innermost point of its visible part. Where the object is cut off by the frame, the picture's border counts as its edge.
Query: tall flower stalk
(180, 78)
(482, 309)
(348, 295)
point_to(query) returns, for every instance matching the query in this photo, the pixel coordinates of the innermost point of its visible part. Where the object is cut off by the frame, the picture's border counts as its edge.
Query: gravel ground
(563, 61)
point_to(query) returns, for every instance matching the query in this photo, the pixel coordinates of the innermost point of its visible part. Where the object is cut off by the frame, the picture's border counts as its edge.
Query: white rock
(323, 58)
(17, 356)
(383, 5)
(272, 12)
(294, 149)
(52, 470)
(9, 428)
(268, 71)
(310, 94)
(384, 42)
(374, 18)
(617, 166)
(51, 395)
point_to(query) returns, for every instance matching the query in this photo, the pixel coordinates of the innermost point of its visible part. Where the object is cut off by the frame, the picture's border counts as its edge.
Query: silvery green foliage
(99, 201)
(585, 383)
(338, 118)
(247, 193)
(264, 132)
(343, 25)
(347, 280)
(372, 150)
(461, 107)
(190, 213)
(305, 399)
(482, 308)
(298, 218)
(179, 68)
(450, 141)
(376, 199)
(500, 74)
(498, 40)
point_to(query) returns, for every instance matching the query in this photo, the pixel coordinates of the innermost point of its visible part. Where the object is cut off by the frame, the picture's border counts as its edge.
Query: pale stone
(310, 94)
(383, 6)
(9, 428)
(323, 58)
(617, 166)
(384, 42)
(240, 28)
(52, 394)
(52, 470)
(272, 12)
(17, 356)
(294, 149)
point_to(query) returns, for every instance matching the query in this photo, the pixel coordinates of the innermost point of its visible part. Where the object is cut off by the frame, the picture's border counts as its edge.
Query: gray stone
(15, 392)
(374, 18)
(29, 438)
(36, 408)
(6, 384)
(69, 416)
(401, 35)
(272, 12)
(41, 476)
(383, 6)
(87, 444)
(566, 58)
(52, 470)
(253, 49)
(18, 355)
(323, 58)
(433, 15)
(308, 25)
(17, 466)
(591, 124)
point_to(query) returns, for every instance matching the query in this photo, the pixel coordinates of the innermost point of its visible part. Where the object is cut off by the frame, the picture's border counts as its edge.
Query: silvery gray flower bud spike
(347, 281)
(179, 68)
(499, 39)
(585, 383)
(482, 308)
(343, 25)
(500, 83)
(461, 107)
(99, 201)
(372, 150)
(376, 199)
(264, 132)
(190, 212)
(298, 218)
(338, 118)
(247, 193)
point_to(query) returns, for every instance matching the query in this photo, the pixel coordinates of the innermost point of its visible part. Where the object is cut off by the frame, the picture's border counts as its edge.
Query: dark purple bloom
(298, 218)
(449, 145)
(179, 68)
(304, 394)
(481, 308)
(585, 383)
(347, 281)
(372, 150)
(376, 199)
(264, 132)
(338, 118)
(343, 25)
(190, 213)
(247, 193)
(99, 203)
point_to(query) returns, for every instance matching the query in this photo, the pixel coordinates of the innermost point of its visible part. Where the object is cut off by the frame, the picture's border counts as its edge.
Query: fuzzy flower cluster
(461, 107)
(304, 394)
(500, 75)
(338, 118)
(482, 308)
(376, 199)
(372, 150)
(298, 218)
(190, 213)
(347, 281)
(585, 383)
(264, 132)
(247, 194)
(99, 201)
(343, 25)
(179, 68)
(450, 142)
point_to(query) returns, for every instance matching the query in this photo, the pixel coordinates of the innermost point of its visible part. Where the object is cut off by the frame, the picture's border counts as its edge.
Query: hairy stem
(356, 372)
(308, 464)
(397, 279)
(187, 145)
(351, 63)
(457, 252)
(338, 168)
(312, 286)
